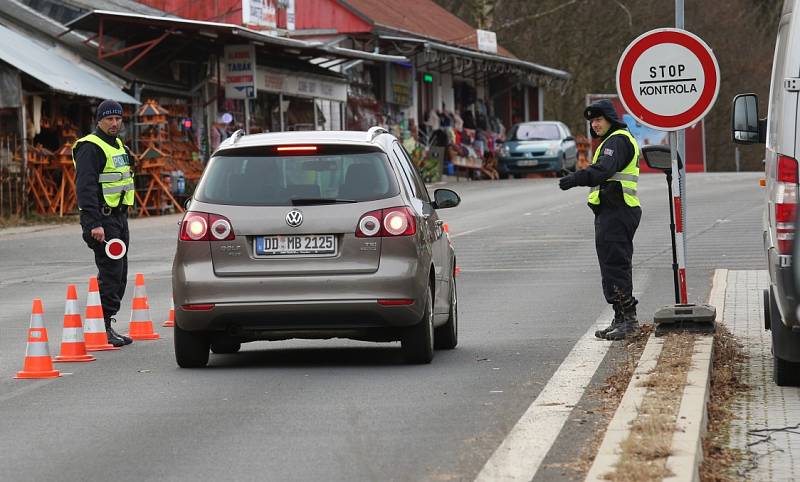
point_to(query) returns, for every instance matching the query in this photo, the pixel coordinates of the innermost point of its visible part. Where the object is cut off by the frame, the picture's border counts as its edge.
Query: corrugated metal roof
(421, 17)
(53, 65)
(523, 64)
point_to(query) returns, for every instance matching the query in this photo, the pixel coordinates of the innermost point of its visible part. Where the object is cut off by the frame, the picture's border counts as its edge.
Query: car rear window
(280, 181)
(535, 132)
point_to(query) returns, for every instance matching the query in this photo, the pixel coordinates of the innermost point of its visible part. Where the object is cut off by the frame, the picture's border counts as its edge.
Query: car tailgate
(239, 257)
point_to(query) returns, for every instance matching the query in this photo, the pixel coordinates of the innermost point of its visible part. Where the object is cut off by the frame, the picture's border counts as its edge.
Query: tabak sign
(240, 71)
(260, 13)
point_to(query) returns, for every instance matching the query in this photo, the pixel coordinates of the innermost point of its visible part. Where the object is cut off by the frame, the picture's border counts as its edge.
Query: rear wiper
(304, 201)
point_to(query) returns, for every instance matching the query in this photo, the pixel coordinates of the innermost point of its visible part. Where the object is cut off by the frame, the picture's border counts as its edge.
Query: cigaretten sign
(668, 79)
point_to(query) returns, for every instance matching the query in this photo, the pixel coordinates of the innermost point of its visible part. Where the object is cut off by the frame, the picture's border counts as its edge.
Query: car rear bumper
(782, 279)
(279, 303)
(307, 319)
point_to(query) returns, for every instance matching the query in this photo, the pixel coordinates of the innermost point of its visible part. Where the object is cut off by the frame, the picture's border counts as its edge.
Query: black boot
(616, 321)
(629, 325)
(115, 338)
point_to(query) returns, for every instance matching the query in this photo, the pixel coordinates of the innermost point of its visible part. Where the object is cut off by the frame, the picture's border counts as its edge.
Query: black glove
(567, 182)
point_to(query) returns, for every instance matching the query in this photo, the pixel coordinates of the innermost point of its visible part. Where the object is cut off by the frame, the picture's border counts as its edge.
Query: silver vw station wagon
(319, 234)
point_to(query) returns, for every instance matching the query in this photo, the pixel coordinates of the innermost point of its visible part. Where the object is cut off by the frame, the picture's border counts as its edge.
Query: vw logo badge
(294, 218)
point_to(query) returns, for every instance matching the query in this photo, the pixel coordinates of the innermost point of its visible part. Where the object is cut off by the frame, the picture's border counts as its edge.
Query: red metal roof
(424, 18)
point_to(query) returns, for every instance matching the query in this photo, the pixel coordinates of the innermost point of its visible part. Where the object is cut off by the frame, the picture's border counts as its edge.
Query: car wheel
(785, 373)
(563, 171)
(417, 342)
(191, 348)
(446, 336)
(224, 345)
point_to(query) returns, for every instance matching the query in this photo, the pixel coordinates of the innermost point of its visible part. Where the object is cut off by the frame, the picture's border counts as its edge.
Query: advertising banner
(695, 136)
(240, 71)
(260, 13)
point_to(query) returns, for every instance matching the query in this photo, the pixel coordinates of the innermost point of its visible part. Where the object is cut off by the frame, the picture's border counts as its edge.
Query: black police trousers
(112, 275)
(614, 228)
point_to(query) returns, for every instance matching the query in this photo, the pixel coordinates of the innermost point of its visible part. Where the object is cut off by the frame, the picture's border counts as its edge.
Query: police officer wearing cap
(104, 184)
(613, 177)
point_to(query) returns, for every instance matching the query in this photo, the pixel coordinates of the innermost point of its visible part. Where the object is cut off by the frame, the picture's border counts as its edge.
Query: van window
(277, 181)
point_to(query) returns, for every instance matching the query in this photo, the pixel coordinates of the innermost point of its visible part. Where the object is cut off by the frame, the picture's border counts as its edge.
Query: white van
(780, 132)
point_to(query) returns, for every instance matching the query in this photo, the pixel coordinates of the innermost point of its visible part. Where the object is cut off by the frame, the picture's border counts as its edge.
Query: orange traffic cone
(171, 320)
(73, 347)
(141, 326)
(38, 363)
(94, 325)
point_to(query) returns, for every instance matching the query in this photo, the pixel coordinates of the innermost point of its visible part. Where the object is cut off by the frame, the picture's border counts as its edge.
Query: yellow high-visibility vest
(116, 176)
(628, 177)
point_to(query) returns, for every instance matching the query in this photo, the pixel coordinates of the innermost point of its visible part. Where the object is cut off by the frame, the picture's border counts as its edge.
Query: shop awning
(132, 27)
(522, 65)
(54, 66)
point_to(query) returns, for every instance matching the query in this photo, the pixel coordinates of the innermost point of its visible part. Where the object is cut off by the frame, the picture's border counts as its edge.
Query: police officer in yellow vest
(104, 183)
(613, 177)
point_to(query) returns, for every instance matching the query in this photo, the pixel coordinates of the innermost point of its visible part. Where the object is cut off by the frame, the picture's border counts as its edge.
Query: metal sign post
(668, 79)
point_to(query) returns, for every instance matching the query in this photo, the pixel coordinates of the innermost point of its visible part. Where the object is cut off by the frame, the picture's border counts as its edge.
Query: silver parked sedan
(313, 235)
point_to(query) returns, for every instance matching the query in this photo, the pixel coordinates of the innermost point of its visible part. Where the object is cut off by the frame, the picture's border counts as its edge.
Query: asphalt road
(337, 409)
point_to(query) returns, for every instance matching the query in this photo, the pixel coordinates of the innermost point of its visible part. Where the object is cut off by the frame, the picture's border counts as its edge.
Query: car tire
(785, 373)
(191, 348)
(417, 341)
(446, 336)
(224, 345)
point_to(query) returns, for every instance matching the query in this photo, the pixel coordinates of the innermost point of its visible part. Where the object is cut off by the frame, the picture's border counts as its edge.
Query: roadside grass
(36, 220)
(719, 459)
(625, 359)
(645, 452)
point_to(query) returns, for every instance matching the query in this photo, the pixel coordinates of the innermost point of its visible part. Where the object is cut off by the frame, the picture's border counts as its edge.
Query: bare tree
(587, 37)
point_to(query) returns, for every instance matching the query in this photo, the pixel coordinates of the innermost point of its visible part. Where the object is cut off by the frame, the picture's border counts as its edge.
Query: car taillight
(197, 226)
(785, 203)
(397, 221)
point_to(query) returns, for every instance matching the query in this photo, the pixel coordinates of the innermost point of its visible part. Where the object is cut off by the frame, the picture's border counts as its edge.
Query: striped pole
(679, 221)
(38, 363)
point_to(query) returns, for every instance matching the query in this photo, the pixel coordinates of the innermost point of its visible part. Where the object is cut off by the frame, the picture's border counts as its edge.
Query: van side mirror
(660, 157)
(745, 126)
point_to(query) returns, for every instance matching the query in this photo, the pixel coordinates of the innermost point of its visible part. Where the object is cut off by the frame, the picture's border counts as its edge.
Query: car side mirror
(568, 138)
(660, 157)
(445, 198)
(745, 126)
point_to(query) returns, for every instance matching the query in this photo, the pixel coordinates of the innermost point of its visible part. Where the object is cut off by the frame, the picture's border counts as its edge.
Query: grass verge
(645, 452)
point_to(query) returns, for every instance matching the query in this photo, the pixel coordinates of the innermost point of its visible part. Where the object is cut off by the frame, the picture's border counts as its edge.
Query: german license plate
(295, 244)
(528, 163)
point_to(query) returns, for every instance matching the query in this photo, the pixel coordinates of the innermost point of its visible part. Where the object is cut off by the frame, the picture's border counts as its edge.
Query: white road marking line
(522, 451)
(469, 232)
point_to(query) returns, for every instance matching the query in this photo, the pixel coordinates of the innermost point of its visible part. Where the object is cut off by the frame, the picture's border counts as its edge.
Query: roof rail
(236, 135)
(374, 132)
